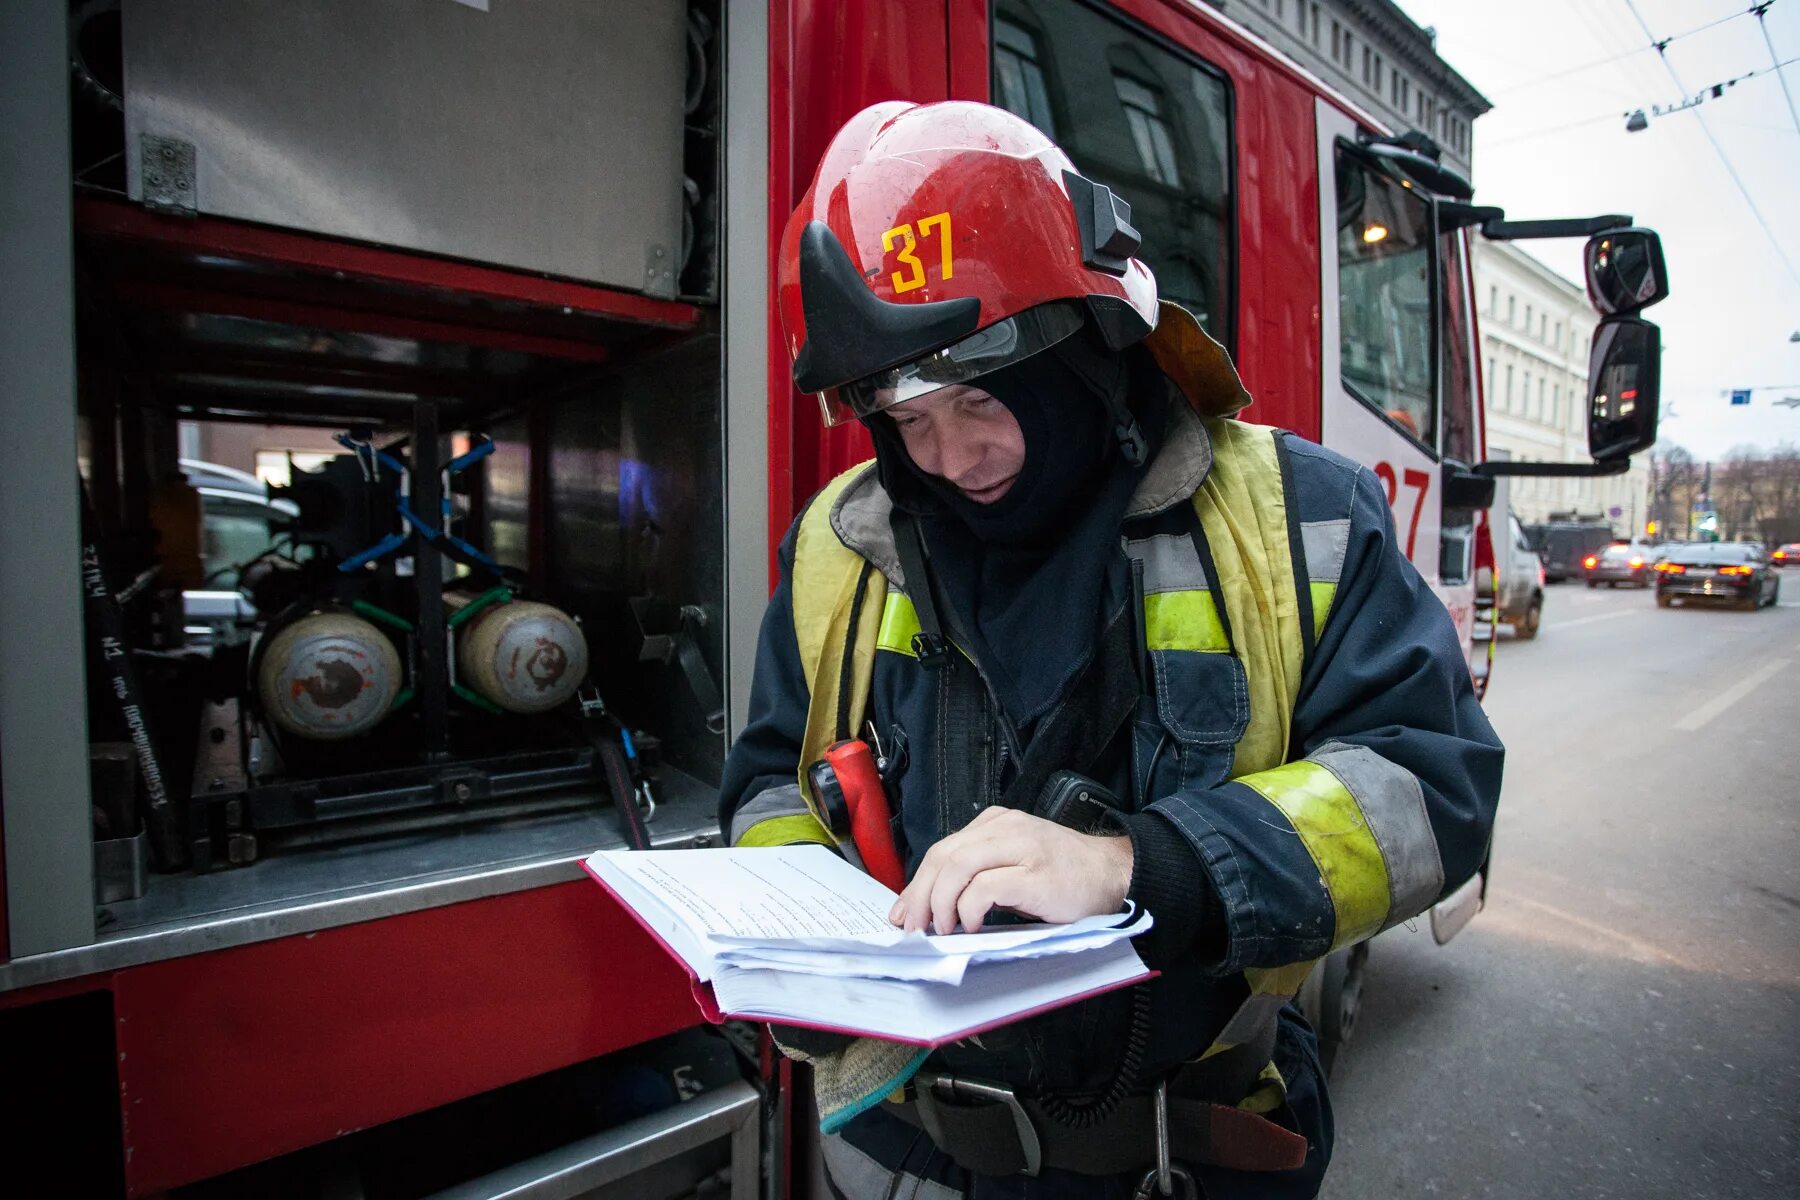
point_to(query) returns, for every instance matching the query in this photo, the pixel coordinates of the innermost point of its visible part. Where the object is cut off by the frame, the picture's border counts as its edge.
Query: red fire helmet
(939, 242)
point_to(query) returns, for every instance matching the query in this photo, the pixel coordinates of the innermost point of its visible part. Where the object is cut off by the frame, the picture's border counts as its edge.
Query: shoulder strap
(1296, 550)
(832, 586)
(1245, 514)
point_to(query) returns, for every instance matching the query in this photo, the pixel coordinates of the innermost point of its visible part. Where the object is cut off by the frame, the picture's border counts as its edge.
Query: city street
(1623, 1020)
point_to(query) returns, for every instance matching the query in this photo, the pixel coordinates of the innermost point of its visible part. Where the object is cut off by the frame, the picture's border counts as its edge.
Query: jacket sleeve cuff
(1168, 879)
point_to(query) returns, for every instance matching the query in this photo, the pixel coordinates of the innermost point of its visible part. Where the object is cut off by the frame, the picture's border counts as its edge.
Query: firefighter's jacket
(1317, 750)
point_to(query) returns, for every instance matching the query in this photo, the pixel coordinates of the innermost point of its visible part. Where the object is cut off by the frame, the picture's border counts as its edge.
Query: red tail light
(1671, 568)
(1589, 562)
(1735, 570)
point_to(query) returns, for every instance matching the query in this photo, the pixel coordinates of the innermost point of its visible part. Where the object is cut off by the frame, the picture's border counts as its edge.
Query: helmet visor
(999, 345)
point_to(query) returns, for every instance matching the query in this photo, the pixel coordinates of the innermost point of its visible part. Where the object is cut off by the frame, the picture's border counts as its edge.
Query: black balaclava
(1032, 577)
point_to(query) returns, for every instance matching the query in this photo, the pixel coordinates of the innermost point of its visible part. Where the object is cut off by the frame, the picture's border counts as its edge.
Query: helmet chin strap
(1133, 445)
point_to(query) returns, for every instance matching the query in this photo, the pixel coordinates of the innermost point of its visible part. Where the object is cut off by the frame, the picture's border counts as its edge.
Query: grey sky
(1558, 147)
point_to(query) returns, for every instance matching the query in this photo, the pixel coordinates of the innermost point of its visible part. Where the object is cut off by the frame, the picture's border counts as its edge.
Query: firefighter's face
(965, 437)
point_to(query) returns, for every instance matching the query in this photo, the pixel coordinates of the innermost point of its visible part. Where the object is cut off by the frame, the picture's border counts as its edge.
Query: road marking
(1588, 599)
(1611, 616)
(1730, 696)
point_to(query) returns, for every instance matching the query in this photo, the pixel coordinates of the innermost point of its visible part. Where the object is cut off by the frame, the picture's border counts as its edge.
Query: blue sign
(1740, 396)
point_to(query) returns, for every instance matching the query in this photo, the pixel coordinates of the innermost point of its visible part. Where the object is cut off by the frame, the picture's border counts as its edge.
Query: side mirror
(1464, 488)
(1624, 377)
(1625, 271)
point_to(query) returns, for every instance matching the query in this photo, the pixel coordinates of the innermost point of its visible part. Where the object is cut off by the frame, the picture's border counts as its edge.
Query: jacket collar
(861, 515)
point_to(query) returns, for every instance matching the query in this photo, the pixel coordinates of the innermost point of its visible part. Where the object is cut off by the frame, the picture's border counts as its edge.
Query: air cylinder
(521, 655)
(328, 676)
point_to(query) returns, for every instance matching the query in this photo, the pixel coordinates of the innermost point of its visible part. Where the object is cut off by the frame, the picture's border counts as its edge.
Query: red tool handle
(869, 817)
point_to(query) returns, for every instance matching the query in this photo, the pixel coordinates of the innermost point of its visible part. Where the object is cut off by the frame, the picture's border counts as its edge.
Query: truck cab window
(1456, 350)
(1384, 297)
(1150, 122)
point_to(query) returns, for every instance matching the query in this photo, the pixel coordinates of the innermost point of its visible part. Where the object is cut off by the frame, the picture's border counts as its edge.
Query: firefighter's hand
(1005, 858)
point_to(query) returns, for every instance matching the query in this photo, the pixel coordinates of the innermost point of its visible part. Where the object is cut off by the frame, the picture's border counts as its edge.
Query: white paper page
(944, 968)
(1007, 941)
(783, 892)
(932, 1012)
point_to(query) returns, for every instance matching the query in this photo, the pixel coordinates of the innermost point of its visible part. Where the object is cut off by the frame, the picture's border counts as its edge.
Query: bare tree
(1675, 485)
(1737, 492)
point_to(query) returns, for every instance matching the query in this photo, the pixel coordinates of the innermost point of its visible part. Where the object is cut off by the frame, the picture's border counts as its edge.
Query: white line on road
(1730, 696)
(1611, 616)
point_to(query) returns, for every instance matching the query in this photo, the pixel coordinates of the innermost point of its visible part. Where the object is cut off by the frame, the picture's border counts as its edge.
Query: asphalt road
(1623, 1019)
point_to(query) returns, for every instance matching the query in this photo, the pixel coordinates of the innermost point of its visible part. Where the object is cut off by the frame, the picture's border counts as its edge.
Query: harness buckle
(959, 1088)
(933, 650)
(1161, 1179)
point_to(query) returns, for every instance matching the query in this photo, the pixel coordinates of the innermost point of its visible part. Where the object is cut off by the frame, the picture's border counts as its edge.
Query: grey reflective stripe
(1253, 1016)
(782, 800)
(857, 1175)
(1394, 806)
(1171, 564)
(1325, 543)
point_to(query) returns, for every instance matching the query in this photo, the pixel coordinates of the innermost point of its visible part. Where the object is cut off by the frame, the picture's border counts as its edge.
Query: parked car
(1718, 571)
(1785, 554)
(1565, 545)
(1616, 564)
(239, 523)
(1521, 592)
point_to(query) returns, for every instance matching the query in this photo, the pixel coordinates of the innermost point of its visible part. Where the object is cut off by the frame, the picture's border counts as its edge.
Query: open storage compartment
(478, 613)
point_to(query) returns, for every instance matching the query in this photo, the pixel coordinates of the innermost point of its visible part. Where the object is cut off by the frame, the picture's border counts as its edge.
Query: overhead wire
(1755, 10)
(1688, 101)
(1724, 159)
(1762, 23)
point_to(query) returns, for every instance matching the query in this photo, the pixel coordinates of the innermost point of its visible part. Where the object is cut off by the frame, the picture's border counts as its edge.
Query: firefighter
(1110, 645)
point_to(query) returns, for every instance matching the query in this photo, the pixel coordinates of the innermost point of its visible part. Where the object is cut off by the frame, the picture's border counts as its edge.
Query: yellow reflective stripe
(1331, 826)
(1184, 620)
(1278, 981)
(1322, 596)
(786, 831)
(1269, 1094)
(899, 621)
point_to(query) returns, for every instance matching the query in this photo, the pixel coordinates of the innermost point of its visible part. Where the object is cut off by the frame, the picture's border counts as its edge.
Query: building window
(1493, 301)
(1349, 50)
(1528, 320)
(1542, 327)
(1315, 26)
(1377, 81)
(1176, 173)
(1149, 131)
(1337, 40)
(1019, 75)
(1511, 303)
(1509, 392)
(1368, 66)
(1540, 403)
(1493, 380)
(1559, 336)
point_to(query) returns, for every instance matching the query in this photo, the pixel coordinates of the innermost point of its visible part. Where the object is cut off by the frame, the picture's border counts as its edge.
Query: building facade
(1536, 328)
(1374, 54)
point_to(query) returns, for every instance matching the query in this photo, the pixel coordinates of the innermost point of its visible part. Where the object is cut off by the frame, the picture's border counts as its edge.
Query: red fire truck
(291, 904)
